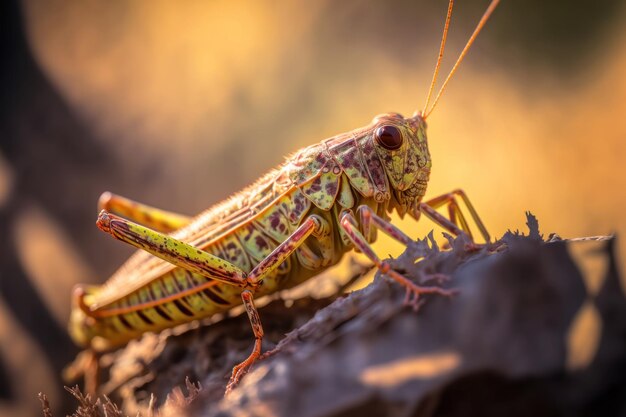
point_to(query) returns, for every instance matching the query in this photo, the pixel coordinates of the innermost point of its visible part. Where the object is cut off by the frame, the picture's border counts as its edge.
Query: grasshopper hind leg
(86, 365)
(313, 225)
(196, 260)
(253, 315)
(157, 219)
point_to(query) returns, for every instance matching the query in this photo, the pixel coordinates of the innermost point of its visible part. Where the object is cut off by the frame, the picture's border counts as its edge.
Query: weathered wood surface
(502, 346)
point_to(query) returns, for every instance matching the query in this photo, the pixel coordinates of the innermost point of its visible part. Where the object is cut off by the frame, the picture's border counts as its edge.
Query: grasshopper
(294, 222)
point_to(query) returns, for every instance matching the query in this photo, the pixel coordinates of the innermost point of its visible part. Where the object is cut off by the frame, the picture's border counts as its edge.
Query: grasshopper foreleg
(157, 219)
(348, 224)
(456, 224)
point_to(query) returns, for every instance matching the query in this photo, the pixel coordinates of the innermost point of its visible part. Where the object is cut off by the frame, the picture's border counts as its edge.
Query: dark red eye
(389, 137)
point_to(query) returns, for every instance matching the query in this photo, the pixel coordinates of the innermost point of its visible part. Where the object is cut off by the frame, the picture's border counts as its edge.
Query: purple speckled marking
(374, 166)
(232, 250)
(317, 190)
(348, 157)
(331, 188)
(309, 164)
(254, 242)
(261, 243)
(275, 224)
(294, 206)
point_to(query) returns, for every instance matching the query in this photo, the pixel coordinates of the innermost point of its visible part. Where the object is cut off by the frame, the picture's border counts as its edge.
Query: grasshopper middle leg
(349, 224)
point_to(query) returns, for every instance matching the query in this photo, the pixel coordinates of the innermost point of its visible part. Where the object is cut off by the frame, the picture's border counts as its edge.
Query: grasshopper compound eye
(389, 137)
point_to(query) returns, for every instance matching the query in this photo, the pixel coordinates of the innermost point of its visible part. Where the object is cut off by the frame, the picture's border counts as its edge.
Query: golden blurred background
(179, 104)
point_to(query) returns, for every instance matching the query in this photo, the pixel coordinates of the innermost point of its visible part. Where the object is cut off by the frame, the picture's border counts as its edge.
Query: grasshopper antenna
(441, 48)
(471, 40)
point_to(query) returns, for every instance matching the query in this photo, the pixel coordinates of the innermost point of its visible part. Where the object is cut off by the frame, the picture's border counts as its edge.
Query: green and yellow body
(325, 180)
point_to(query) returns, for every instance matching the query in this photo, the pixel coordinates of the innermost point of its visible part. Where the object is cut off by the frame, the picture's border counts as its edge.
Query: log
(510, 342)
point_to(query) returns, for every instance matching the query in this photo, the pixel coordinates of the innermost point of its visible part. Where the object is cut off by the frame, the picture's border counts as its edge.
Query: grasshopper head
(403, 150)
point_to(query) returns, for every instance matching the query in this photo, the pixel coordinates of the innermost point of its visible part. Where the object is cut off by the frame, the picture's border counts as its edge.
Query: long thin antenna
(480, 25)
(441, 48)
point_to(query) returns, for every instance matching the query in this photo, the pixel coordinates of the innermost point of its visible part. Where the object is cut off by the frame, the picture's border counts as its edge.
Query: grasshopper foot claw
(413, 292)
(238, 372)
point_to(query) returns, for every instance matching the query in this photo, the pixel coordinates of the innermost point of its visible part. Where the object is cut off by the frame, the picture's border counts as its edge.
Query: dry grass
(104, 407)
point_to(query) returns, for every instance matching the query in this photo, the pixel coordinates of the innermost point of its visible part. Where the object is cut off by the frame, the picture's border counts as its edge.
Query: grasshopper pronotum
(294, 222)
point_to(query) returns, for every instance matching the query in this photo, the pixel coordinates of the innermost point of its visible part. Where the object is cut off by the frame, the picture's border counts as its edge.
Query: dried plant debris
(45, 405)
(498, 347)
(88, 407)
(104, 407)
